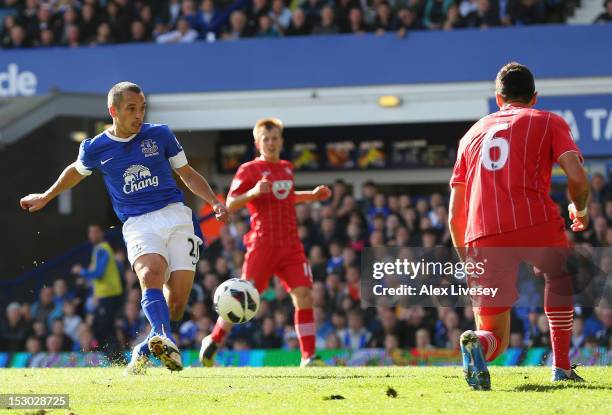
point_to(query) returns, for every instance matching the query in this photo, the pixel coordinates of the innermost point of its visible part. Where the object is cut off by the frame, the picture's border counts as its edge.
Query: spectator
(89, 24)
(312, 10)
(290, 339)
(39, 330)
(606, 16)
(483, 17)
(384, 20)
(72, 321)
(265, 27)
(190, 13)
(578, 337)
(104, 35)
(238, 27)
(332, 342)
(42, 309)
(355, 336)
(171, 13)
(259, 8)
(453, 19)
(356, 24)
(435, 12)
(280, 15)
(13, 330)
(600, 192)
(86, 341)
(267, 338)
(119, 21)
(104, 275)
(407, 21)
(18, 38)
(423, 339)
(516, 340)
(33, 346)
(541, 334)
(57, 330)
(327, 26)
(72, 36)
(207, 15)
(146, 17)
(44, 21)
(379, 208)
(391, 344)
(183, 34)
(335, 261)
(368, 192)
(189, 329)
(54, 344)
(8, 23)
(138, 32)
(60, 293)
(323, 326)
(527, 12)
(46, 38)
(467, 6)
(130, 325)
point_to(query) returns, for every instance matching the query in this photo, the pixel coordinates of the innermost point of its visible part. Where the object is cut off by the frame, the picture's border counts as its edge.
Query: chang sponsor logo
(14, 83)
(138, 177)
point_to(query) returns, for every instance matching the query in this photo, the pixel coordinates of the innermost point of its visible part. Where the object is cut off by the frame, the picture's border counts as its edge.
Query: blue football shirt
(137, 170)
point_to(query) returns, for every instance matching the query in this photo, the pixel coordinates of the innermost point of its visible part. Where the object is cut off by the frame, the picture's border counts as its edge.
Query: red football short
(289, 264)
(503, 253)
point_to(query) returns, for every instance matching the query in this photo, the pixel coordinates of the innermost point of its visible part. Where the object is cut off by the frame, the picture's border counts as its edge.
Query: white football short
(168, 232)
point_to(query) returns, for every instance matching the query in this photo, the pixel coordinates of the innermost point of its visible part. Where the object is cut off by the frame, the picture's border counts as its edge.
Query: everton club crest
(149, 148)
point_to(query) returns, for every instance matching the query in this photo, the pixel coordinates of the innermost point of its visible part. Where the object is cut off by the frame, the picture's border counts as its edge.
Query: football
(236, 301)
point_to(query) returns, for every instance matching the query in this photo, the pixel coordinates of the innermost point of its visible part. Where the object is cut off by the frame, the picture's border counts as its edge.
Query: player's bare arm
(69, 178)
(457, 218)
(319, 194)
(235, 203)
(200, 187)
(578, 188)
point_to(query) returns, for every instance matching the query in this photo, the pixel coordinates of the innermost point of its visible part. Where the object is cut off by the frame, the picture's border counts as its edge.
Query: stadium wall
(312, 62)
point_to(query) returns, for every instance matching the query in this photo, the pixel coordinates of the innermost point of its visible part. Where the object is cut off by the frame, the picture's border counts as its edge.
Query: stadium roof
(22, 115)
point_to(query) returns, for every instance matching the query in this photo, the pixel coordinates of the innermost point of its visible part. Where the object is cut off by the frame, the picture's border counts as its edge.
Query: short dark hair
(515, 82)
(115, 95)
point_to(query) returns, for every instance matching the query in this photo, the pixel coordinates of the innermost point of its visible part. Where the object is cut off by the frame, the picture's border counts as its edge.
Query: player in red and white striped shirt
(500, 198)
(265, 186)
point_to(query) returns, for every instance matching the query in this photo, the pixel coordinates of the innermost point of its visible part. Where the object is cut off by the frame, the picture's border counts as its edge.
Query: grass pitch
(387, 390)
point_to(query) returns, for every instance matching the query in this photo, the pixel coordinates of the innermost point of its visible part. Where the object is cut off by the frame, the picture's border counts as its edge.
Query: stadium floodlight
(78, 136)
(389, 101)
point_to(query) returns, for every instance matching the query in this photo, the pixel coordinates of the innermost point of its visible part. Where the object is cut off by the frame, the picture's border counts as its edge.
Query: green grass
(518, 390)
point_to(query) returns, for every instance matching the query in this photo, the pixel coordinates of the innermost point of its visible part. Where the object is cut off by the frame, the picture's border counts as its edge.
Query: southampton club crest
(282, 188)
(149, 148)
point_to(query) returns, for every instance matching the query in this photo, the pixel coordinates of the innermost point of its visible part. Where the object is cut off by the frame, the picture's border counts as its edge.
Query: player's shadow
(536, 387)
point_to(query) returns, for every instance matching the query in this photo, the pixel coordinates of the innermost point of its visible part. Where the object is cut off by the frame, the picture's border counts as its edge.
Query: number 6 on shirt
(489, 142)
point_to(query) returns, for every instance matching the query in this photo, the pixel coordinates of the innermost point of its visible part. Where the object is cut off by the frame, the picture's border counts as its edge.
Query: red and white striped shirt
(273, 219)
(505, 161)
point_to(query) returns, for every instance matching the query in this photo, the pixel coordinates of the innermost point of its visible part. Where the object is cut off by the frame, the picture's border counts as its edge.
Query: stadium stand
(333, 234)
(40, 23)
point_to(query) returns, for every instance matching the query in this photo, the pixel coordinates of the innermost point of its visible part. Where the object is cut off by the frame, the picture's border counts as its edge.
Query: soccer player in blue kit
(136, 160)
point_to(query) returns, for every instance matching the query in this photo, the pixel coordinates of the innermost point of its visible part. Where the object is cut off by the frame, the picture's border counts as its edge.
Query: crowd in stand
(334, 235)
(75, 23)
